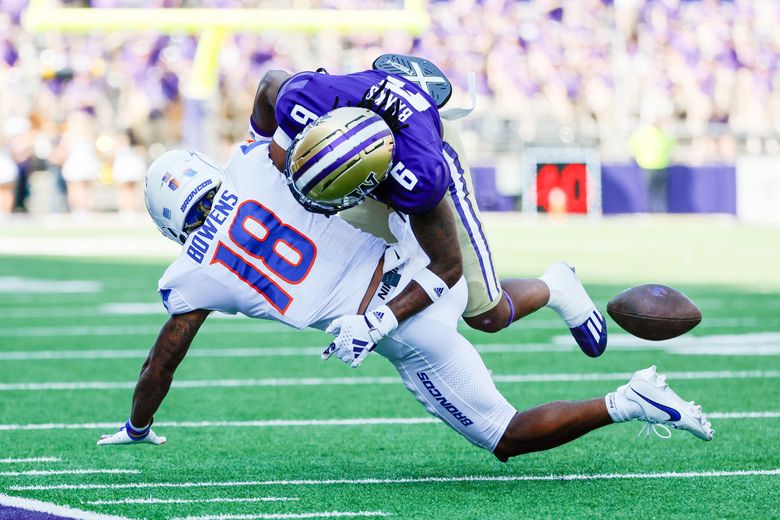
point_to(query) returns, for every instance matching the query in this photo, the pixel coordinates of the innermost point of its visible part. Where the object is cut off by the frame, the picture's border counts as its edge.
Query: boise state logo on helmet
(178, 191)
(335, 162)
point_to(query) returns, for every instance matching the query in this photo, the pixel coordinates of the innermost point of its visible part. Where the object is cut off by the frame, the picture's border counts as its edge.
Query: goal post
(212, 25)
(39, 17)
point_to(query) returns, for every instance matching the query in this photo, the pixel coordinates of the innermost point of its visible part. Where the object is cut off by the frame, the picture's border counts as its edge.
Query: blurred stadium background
(659, 106)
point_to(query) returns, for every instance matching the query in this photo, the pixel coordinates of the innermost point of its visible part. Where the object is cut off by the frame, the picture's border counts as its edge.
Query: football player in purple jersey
(429, 182)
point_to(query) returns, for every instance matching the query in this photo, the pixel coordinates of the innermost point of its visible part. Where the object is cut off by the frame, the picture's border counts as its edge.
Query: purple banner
(626, 188)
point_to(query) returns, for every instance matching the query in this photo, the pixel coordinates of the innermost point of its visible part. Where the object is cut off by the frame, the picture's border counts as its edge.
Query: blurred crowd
(87, 111)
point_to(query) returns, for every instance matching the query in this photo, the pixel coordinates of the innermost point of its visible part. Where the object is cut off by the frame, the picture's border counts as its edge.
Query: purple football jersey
(419, 176)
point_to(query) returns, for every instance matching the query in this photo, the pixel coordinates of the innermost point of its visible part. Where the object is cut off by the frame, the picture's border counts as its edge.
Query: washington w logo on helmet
(365, 187)
(335, 162)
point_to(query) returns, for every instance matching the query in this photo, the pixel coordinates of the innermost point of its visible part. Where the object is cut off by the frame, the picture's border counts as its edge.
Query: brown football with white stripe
(655, 312)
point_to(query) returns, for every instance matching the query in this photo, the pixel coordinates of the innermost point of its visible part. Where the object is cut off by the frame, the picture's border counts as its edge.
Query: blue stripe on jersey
(491, 281)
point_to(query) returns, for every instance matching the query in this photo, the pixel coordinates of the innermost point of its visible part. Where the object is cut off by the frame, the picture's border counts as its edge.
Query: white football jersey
(262, 254)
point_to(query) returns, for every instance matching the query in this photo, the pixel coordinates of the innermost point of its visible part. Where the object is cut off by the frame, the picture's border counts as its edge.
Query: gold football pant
(484, 290)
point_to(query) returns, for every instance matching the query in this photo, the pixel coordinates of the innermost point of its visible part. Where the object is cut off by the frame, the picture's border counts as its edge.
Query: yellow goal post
(212, 25)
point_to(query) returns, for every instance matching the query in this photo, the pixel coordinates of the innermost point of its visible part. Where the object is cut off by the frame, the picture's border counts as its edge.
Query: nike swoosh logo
(674, 415)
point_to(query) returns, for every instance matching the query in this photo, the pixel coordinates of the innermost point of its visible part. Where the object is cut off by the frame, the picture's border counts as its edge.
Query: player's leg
(446, 374)
(494, 305)
(550, 425)
(645, 397)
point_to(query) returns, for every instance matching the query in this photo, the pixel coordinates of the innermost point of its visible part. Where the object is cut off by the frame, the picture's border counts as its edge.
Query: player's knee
(484, 324)
(515, 440)
(491, 321)
(494, 320)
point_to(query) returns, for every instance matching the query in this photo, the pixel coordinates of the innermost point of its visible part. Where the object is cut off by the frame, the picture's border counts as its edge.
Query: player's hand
(358, 334)
(122, 437)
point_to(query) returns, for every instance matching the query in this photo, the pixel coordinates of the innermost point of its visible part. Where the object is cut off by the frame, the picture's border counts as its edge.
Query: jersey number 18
(282, 249)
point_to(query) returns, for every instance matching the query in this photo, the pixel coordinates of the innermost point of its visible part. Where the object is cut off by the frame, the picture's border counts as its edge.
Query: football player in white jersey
(248, 246)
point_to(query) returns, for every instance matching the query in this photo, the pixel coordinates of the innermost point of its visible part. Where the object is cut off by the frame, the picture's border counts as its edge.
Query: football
(654, 312)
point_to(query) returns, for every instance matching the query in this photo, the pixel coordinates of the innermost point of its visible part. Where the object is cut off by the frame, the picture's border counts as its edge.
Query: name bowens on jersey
(261, 254)
(419, 176)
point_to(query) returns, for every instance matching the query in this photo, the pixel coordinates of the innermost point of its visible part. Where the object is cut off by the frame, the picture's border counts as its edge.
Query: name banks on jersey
(262, 254)
(419, 176)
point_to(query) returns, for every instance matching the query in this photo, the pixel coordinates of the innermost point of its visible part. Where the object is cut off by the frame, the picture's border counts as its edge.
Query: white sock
(136, 428)
(620, 408)
(567, 296)
(553, 284)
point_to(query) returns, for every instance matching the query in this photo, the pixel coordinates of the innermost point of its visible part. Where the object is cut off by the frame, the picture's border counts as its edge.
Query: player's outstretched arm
(357, 335)
(436, 233)
(263, 117)
(157, 372)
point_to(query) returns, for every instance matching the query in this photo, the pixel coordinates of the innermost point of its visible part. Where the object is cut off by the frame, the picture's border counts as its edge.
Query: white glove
(122, 437)
(358, 334)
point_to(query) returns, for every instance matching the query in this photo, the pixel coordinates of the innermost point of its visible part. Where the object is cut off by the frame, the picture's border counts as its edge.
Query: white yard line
(749, 344)
(254, 327)
(226, 424)
(208, 383)
(20, 285)
(152, 501)
(30, 459)
(352, 381)
(752, 344)
(46, 472)
(743, 415)
(619, 376)
(141, 354)
(420, 480)
(321, 514)
(44, 312)
(27, 355)
(274, 423)
(53, 509)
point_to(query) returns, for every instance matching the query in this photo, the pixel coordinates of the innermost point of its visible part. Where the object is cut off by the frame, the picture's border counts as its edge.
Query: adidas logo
(438, 291)
(379, 315)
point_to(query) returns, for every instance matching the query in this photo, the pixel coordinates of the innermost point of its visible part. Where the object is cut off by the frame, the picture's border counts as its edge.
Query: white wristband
(433, 286)
(381, 322)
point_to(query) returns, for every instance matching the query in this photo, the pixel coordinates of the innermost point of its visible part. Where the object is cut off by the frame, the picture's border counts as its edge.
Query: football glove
(358, 334)
(122, 436)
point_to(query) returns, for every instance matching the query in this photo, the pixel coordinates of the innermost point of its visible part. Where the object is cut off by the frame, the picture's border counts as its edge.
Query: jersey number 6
(282, 249)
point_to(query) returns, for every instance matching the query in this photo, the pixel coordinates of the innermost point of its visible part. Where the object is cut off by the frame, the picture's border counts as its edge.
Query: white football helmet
(179, 188)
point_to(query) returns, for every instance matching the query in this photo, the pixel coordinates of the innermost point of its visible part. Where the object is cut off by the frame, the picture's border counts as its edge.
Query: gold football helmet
(338, 159)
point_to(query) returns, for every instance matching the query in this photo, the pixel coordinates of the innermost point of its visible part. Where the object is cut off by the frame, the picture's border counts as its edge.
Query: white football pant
(444, 371)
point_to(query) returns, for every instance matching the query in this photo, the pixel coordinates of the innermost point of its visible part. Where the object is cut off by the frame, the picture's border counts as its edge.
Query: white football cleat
(570, 299)
(662, 406)
(122, 437)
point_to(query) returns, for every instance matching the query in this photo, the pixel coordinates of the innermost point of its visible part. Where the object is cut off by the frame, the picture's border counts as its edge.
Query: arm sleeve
(255, 133)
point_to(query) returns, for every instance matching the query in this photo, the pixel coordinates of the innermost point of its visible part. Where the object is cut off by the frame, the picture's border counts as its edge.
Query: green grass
(729, 270)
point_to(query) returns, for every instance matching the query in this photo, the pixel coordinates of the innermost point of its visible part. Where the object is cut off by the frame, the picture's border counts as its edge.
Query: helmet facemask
(196, 216)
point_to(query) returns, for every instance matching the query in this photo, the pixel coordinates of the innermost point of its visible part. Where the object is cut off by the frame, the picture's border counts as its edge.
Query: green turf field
(259, 427)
